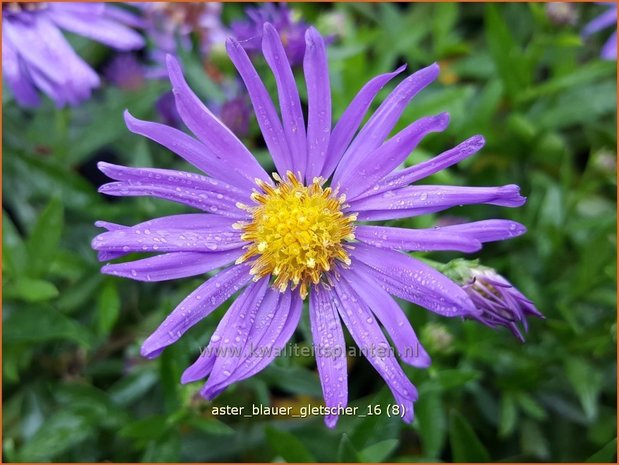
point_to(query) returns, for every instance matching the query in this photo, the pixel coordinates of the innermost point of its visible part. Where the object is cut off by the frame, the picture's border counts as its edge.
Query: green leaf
(108, 308)
(346, 452)
(43, 241)
(582, 75)
(465, 445)
(608, 453)
(380, 451)
(431, 422)
(211, 426)
(30, 290)
(13, 248)
(146, 428)
(508, 415)
(505, 52)
(587, 382)
(41, 324)
(61, 432)
(288, 446)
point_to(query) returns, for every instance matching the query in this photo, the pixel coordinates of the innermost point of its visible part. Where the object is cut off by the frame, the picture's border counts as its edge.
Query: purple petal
(351, 119)
(123, 16)
(203, 365)
(289, 100)
(172, 265)
(329, 349)
(282, 326)
(234, 336)
(272, 343)
(391, 317)
(486, 230)
(415, 239)
(104, 30)
(192, 151)
(218, 139)
(371, 340)
(18, 79)
(43, 46)
(169, 239)
(385, 118)
(266, 114)
(316, 70)
(412, 280)
(368, 170)
(606, 19)
(466, 237)
(609, 51)
(90, 8)
(422, 200)
(196, 306)
(177, 186)
(422, 170)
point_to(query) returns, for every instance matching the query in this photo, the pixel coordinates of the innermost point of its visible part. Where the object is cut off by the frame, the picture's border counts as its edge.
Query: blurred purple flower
(285, 238)
(234, 113)
(35, 54)
(125, 71)
(605, 20)
(169, 25)
(501, 304)
(248, 32)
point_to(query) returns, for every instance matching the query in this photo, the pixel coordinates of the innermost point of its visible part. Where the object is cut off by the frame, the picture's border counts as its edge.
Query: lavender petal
(415, 239)
(422, 200)
(351, 119)
(264, 109)
(391, 316)
(371, 340)
(98, 28)
(368, 170)
(173, 265)
(218, 139)
(412, 280)
(195, 307)
(289, 100)
(316, 70)
(382, 122)
(192, 151)
(422, 170)
(330, 350)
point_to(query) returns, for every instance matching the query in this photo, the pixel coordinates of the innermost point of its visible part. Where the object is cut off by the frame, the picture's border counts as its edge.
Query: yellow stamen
(296, 233)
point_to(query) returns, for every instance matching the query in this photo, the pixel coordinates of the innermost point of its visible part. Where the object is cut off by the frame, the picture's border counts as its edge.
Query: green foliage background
(76, 389)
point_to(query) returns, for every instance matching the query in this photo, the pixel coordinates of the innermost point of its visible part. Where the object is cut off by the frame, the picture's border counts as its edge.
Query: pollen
(296, 233)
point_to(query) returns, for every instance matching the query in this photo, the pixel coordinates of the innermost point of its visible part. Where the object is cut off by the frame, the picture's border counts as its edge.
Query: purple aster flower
(289, 238)
(35, 54)
(170, 25)
(605, 20)
(248, 32)
(501, 304)
(234, 113)
(125, 71)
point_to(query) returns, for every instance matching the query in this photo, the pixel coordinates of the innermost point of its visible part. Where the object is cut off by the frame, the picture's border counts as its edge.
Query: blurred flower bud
(561, 13)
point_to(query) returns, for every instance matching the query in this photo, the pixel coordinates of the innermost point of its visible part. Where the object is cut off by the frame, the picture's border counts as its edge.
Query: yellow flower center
(297, 232)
